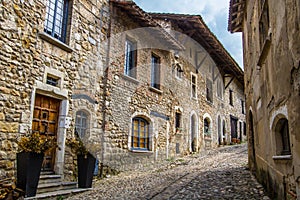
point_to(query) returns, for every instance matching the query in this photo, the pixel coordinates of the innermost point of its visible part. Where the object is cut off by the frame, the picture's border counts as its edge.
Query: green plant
(36, 143)
(77, 146)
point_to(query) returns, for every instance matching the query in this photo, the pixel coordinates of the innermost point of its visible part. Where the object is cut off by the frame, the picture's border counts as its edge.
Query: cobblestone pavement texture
(215, 174)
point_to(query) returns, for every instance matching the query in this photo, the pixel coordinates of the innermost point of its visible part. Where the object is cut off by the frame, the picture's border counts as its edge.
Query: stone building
(170, 77)
(137, 87)
(272, 60)
(51, 58)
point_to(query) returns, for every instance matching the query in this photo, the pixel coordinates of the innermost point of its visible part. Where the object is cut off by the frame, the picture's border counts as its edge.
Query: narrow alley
(217, 174)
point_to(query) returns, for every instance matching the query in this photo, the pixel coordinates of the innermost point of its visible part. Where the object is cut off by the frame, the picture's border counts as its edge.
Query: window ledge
(178, 78)
(55, 42)
(209, 102)
(282, 157)
(129, 78)
(140, 151)
(155, 90)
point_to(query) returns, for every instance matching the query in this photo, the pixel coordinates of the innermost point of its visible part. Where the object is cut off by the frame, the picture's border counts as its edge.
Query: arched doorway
(251, 140)
(194, 128)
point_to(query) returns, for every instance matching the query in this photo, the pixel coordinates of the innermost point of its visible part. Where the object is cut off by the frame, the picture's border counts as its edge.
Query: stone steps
(49, 178)
(60, 193)
(55, 186)
(51, 186)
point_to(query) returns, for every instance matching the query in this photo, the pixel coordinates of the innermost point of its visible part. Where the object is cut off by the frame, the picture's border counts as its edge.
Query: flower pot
(86, 166)
(28, 171)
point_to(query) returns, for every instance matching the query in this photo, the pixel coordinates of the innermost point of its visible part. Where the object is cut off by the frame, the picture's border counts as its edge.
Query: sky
(214, 14)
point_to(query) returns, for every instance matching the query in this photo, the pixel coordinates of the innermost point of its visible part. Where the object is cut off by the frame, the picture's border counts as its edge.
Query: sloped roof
(144, 19)
(191, 25)
(194, 26)
(235, 18)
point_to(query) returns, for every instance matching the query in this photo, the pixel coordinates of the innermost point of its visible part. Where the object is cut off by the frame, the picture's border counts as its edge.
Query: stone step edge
(53, 176)
(56, 184)
(58, 193)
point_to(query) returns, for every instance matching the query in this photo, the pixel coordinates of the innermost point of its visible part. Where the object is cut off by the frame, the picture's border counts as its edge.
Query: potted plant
(85, 162)
(31, 149)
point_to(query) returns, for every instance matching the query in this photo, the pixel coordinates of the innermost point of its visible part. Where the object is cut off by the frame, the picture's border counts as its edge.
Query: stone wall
(272, 90)
(90, 72)
(129, 97)
(28, 55)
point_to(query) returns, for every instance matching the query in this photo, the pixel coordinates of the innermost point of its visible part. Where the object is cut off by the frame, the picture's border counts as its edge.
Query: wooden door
(45, 121)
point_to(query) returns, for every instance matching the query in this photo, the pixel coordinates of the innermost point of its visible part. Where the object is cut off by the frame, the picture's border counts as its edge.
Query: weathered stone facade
(85, 74)
(272, 59)
(29, 56)
(132, 96)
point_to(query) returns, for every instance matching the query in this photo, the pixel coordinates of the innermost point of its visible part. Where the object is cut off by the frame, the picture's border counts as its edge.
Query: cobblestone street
(217, 174)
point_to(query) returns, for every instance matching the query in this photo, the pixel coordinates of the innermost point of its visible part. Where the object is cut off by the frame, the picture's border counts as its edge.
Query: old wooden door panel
(45, 121)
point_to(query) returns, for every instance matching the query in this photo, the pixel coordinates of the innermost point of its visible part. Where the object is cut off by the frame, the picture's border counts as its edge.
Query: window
(220, 89)
(282, 137)
(241, 131)
(243, 106)
(81, 123)
(178, 121)
(155, 72)
(178, 71)
(194, 86)
(57, 19)
(130, 59)
(263, 23)
(206, 126)
(140, 134)
(209, 92)
(231, 97)
(52, 80)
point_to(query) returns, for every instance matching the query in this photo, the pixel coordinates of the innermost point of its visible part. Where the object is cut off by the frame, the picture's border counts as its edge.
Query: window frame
(83, 115)
(231, 97)
(207, 126)
(147, 143)
(220, 90)
(55, 20)
(178, 71)
(209, 90)
(243, 106)
(177, 122)
(130, 65)
(155, 72)
(193, 86)
(282, 136)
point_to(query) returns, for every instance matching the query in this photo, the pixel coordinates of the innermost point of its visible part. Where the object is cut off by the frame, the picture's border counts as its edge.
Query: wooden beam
(229, 82)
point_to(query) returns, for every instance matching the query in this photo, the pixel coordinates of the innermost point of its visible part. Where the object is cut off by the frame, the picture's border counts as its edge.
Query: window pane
(55, 17)
(140, 133)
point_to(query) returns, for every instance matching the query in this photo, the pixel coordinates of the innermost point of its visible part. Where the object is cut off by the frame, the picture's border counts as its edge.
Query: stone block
(11, 127)
(2, 116)
(4, 90)
(3, 155)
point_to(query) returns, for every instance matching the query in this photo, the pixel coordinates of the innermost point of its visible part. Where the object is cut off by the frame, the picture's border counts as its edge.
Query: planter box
(28, 172)
(86, 166)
